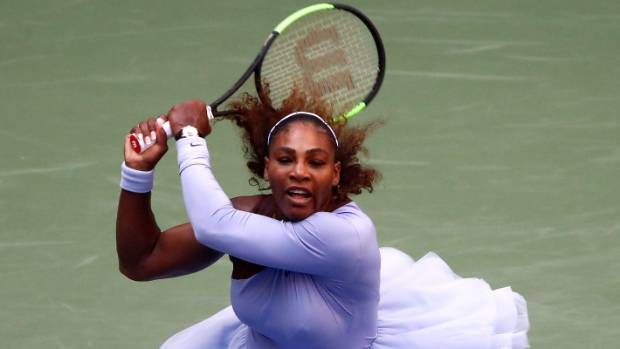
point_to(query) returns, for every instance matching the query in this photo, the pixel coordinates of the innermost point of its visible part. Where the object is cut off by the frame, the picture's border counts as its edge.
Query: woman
(306, 265)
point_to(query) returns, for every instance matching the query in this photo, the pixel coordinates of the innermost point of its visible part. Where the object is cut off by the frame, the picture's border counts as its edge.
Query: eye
(317, 162)
(284, 160)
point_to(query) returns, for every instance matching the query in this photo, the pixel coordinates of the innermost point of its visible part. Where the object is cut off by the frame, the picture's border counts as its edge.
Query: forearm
(136, 230)
(144, 251)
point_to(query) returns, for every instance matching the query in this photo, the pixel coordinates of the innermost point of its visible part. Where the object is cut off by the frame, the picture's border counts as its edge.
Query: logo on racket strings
(323, 61)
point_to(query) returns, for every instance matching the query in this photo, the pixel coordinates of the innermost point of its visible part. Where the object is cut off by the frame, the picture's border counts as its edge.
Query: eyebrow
(309, 151)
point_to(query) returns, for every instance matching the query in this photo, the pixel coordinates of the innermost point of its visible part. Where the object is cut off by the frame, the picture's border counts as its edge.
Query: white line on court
(26, 59)
(59, 343)
(463, 107)
(465, 13)
(557, 263)
(397, 241)
(457, 76)
(483, 168)
(34, 243)
(397, 162)
(114, 79)
(31, 141)
(477, 49)
(558, 124)
(614, 229)
(45, 170)
(443, 41)
(211, 25)
(67, 306)
(440, 12)
(546, 59)
(441, 15)
(584, 100)
(611, 157)
(86, 261)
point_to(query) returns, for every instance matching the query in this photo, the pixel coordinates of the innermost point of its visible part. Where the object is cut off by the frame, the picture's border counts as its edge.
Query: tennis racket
(330, 51)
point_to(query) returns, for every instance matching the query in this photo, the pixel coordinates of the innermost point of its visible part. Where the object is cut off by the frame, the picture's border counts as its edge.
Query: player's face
(301, 169)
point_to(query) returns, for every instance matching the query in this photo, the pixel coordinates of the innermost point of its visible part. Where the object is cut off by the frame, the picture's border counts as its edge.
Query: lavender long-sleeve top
(320, 288)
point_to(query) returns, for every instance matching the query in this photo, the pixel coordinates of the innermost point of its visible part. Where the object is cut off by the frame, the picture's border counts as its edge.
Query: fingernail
(153, 135)
(160, 121)
(147, 140)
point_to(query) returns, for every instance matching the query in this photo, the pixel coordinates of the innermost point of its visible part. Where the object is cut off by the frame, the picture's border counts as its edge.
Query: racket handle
(137, 141)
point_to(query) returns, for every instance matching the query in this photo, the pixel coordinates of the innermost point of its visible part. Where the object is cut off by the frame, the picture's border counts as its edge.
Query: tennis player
(307, 269)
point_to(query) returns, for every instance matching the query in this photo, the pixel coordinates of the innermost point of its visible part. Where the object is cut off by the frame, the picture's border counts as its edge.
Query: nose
(299, 171)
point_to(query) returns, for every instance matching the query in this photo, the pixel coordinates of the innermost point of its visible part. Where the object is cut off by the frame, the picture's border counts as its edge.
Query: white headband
(302, 113)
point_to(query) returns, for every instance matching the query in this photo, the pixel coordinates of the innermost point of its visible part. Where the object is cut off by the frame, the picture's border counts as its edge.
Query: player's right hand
(152, 132)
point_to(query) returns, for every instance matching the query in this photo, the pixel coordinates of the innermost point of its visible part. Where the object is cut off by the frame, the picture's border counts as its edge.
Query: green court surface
(501, 152)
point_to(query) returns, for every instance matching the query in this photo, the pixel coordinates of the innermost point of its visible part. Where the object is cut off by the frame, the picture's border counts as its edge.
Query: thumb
(162, 137)
(128, 150)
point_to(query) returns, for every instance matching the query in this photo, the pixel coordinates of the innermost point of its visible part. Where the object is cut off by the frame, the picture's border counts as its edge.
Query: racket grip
(137, 141)
(139, 145)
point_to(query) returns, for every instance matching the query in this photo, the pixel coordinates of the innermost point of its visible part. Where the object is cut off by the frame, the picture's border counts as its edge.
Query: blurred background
(501, 153)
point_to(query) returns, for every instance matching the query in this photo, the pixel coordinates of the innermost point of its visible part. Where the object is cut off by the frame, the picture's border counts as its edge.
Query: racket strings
(330, 54)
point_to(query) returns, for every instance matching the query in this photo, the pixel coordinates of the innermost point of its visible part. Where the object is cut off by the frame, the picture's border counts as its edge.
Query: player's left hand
(191, 113)
(152, 132)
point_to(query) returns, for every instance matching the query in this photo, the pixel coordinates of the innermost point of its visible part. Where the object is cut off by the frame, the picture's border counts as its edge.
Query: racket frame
(281, 27)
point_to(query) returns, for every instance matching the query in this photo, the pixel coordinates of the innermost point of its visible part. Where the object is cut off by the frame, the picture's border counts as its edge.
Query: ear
(266, 169)
(336, 174)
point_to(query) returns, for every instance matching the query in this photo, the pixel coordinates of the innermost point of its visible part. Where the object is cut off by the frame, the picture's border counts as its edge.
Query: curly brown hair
(255, 117)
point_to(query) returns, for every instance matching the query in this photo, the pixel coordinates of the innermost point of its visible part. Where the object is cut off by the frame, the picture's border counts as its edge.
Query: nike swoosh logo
(195, 144)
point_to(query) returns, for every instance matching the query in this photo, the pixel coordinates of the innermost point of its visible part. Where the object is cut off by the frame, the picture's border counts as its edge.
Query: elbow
(134, 274)
(212, 230)
(210, 227)
(205, 233)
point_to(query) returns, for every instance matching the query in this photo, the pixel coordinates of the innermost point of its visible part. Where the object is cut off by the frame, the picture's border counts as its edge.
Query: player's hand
(191, 113)
(152, 132)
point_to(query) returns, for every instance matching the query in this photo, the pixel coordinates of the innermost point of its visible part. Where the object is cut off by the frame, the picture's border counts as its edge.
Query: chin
(295, 214)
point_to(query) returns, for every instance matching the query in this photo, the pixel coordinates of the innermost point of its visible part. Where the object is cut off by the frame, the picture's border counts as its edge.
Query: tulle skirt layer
(424, 305)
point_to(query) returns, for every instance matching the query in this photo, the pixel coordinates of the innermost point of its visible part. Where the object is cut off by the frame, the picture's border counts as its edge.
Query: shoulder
(348, 218)
(354, 214)
(349, 234)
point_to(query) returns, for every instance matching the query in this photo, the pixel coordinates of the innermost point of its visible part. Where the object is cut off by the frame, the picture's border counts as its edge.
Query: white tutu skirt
(423, 305)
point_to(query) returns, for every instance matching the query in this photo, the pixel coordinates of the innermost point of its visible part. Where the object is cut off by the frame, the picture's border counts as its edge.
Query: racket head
(329, 51)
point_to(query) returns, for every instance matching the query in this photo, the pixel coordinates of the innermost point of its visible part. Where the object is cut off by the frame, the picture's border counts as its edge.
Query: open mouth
(298, 194)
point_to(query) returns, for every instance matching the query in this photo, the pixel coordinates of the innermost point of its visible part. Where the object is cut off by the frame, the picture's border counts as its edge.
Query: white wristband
(136, 181)
(192, 151)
